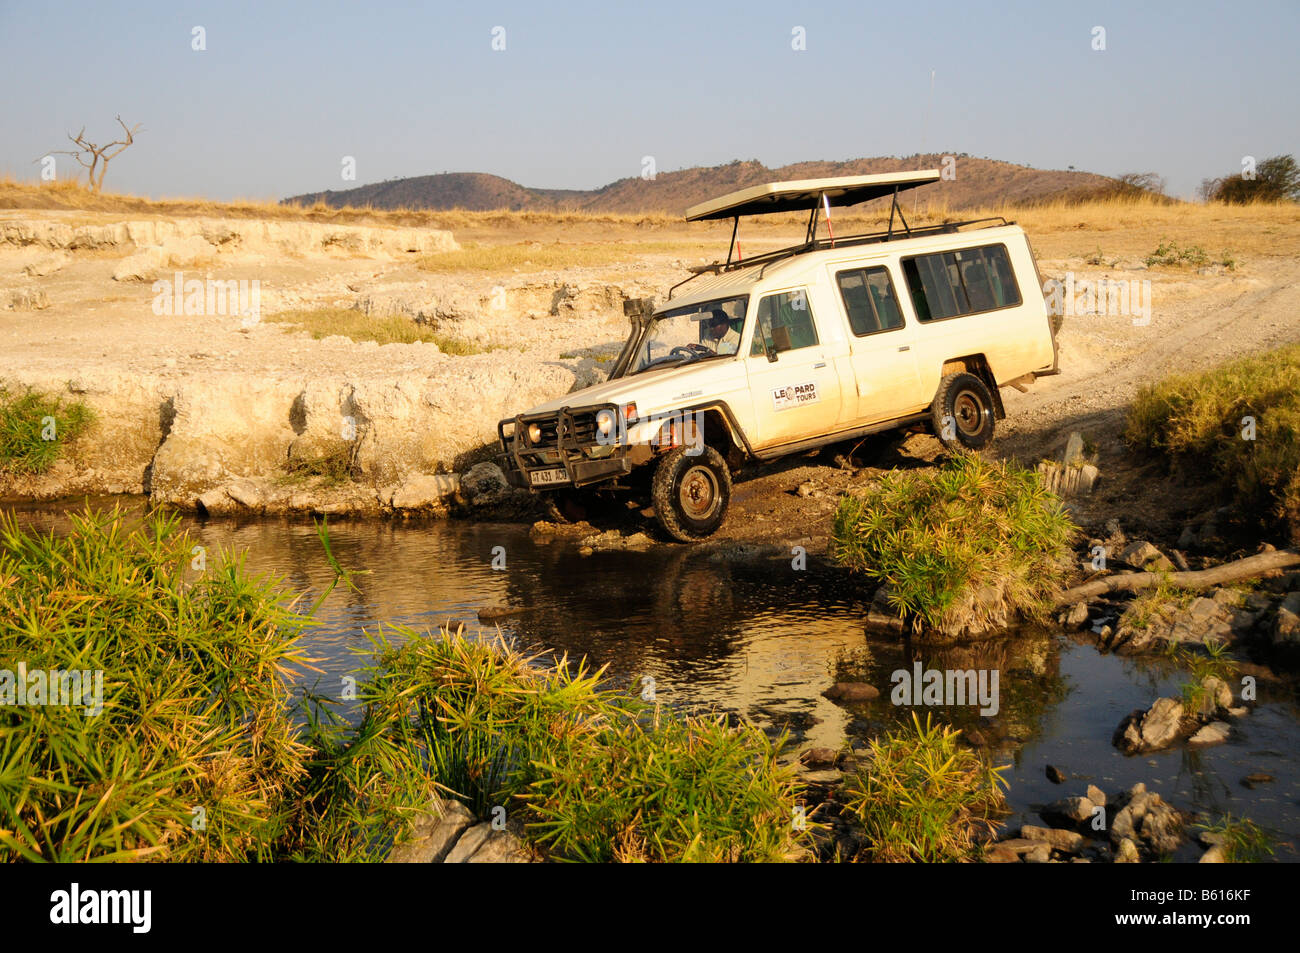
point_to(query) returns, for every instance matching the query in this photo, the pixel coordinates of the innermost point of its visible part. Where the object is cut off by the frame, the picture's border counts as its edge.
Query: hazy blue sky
(582, 91)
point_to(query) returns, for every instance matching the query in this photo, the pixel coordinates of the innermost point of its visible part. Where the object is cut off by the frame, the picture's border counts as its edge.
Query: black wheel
(690, 493)
(962, 413)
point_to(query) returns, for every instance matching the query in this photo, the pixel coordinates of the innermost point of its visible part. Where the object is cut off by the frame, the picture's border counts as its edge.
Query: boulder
(1076, 617)
(1039, 854)
(1286, 624)
(1140, 554)
(469, 843)
(1151, 730)
(1077, 809)
(1218, 694)
(1148, 819)
(852, 692)
(424, 490)
(1127, 852)
(482, 483)
(1216, 732)
(501, 847)
(433, 833)
(1068, 842)
(819, 757)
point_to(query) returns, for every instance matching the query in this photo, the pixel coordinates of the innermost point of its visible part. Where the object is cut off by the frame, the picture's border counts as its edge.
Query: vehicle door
(881, 341)
(791, 377)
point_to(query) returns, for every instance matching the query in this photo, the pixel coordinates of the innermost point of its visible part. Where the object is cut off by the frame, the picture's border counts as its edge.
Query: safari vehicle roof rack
(812, 195)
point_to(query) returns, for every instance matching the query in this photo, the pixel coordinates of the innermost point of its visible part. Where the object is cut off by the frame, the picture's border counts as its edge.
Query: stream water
(764, 641)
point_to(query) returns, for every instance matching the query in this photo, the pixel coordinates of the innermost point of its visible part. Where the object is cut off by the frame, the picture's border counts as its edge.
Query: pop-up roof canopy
(803, 195)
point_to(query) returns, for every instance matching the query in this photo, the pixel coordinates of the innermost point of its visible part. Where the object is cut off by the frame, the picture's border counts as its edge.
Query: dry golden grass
(75, 196)
(1120, 226)
(349, 323)
(537, 255)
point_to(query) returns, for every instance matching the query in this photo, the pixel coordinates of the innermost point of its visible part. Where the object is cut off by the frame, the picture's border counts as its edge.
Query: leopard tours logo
(948, 687)
(69, 688)
(77, 906)
(191, 296)
(794, 395)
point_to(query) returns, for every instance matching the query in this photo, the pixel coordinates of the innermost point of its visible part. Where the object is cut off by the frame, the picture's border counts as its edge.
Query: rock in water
(1150, 730)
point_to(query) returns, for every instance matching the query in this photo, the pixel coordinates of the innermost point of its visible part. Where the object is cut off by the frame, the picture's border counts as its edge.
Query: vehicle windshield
(696, 332)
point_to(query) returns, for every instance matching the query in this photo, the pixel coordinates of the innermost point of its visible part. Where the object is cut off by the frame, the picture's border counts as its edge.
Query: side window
(968, 281)
(869, 300)
(785, 322)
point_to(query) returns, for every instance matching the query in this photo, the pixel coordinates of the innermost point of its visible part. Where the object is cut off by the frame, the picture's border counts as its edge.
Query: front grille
(579, 428)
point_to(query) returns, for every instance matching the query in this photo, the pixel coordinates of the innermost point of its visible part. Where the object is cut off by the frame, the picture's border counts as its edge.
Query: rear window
(968, 281)
(869, 300)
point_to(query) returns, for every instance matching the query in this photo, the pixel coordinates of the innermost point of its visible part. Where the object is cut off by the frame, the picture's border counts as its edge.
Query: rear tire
(690, 494)
(962, 413)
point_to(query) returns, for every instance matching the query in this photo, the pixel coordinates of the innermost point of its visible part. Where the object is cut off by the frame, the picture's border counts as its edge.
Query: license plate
(547, 477)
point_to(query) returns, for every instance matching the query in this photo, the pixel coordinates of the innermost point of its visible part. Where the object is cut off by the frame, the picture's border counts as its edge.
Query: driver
(722, 336)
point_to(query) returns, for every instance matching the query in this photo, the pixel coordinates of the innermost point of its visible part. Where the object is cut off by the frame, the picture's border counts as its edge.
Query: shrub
(28, 442)
(924, 798)
(594, 782)
(200, 751)
(688, 789)
(191, 756)
(445, 713)
(1276, 179)
(1200, 420)
(961, 547)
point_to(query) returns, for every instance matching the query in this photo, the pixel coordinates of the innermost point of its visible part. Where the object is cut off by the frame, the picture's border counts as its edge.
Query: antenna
(925, 126)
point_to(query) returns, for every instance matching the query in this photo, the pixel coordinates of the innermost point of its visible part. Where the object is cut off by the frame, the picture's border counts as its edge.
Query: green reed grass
(925, 798)
(36, 428)
(593, 779)
(203, 751)
(192, 757)
(959, 545)
(691, 789)
(1243, 841)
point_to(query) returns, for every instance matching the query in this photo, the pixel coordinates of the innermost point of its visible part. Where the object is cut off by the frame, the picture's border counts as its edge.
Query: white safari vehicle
(790, 350)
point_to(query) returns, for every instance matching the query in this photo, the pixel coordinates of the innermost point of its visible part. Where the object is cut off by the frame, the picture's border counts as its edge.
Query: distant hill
(978, 182)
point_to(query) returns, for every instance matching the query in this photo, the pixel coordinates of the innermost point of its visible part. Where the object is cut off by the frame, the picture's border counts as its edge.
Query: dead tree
(1247, 568)
(97, 163)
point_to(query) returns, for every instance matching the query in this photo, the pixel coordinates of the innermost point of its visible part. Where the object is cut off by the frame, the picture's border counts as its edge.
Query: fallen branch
(1246, 568)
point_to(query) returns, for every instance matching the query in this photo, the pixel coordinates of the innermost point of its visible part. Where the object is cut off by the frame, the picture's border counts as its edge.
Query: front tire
(690, 494)
(563, 506)
(962, 413)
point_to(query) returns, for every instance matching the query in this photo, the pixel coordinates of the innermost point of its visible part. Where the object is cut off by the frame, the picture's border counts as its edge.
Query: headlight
(605, 422)
(534, 433)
